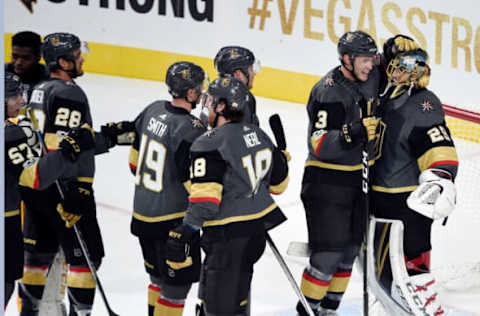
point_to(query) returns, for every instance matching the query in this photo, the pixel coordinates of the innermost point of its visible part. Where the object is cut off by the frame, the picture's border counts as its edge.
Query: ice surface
(122, 272)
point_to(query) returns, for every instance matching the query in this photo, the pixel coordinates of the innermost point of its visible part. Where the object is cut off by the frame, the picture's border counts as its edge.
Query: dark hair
(28, 39)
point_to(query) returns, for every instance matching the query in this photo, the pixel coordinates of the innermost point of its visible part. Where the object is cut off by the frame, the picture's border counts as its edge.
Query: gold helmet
(415, 64)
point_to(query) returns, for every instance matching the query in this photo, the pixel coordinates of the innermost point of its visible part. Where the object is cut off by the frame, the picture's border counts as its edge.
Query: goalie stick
(279, 134)
(78, 233)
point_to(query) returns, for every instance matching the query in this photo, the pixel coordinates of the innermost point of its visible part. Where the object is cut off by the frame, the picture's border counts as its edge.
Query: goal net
(455, 258)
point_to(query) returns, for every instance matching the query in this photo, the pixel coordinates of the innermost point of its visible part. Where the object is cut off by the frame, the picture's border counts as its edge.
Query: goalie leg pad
(420, 264)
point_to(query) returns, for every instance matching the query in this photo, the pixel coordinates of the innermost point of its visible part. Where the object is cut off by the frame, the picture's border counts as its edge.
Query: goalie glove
(435, 197)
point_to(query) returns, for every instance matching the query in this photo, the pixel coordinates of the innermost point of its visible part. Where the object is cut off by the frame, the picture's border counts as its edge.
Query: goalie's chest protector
(411, 143)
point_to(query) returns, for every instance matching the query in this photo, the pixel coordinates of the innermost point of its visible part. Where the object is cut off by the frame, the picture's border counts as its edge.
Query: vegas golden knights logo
(377, 149)
(186, 74)
(225, 82)
(234, 53)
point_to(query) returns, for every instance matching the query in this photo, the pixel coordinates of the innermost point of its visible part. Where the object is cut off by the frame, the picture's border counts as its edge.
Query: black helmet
(58, 45)
(356, 43)
(182, 76)
(13, 85)
(231, 58)
(233, 92)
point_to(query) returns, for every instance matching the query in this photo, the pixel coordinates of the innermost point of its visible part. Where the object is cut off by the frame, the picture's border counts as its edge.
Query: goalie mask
(407, 71)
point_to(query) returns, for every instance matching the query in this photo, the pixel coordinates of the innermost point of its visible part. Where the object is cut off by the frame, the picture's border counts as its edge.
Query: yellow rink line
(152, 65)
(270, 83)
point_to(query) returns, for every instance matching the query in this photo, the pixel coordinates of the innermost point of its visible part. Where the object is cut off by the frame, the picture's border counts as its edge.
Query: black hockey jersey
(160, 160)
(23, 168)
(333, 102)
(416, 139)
(235, 167)
(58, 106)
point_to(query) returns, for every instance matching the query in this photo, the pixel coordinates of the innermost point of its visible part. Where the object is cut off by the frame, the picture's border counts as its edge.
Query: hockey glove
(177, 248)
(77, 141)
(435, 197)
(353, 133)
(397, 44)
(121, 133)
(78, 200)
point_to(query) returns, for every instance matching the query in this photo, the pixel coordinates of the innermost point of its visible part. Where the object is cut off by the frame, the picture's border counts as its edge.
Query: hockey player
(240, 63)
(413, 178)
(234, 169)
(340, 123)
(25, 63)
(22, 168)
(58, 105)
(160, 160)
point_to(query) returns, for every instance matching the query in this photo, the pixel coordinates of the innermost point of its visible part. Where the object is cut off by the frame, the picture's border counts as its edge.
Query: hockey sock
(153, 294)
(168, 307)
(314, 286)
(336, 289)
(81, 290)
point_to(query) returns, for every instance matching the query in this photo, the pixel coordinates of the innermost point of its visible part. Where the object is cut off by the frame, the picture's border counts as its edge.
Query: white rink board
(298, 35)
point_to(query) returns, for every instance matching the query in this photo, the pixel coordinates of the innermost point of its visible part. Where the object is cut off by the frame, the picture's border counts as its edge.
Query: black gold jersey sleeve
(232, 170)
(23, 168)
(430, 139)
(55, 108)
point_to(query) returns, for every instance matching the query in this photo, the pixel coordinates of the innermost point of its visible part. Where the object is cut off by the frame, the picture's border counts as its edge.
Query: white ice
(122, 272)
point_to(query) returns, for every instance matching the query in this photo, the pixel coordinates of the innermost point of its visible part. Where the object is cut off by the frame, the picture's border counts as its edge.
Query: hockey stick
(277, 129)
(371, 109)
(289, 275)
(80, 239)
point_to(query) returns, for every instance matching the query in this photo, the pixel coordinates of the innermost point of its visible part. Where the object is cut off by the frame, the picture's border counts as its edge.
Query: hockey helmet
(232, 92)
(63, 45)
(13, 85)
(231, 58)
(356, 43)
(182, 76)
